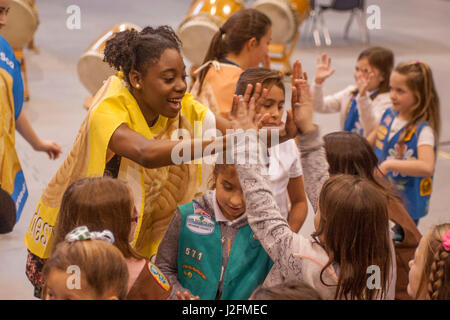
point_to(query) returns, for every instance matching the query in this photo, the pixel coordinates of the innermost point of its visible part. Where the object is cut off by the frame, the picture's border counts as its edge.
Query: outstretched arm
(25, 129)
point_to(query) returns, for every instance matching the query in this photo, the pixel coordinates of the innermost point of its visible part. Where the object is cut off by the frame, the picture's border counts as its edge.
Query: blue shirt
(9, 63)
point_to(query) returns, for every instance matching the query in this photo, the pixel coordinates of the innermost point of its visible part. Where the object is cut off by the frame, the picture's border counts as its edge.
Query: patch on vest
(425, 186)
(200, 224)
(158, 275)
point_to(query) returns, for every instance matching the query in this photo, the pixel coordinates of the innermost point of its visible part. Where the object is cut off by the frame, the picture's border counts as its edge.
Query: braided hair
(435, 277)
(134, 50)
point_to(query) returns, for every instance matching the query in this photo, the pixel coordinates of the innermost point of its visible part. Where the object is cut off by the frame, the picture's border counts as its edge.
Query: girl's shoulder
(383, 98)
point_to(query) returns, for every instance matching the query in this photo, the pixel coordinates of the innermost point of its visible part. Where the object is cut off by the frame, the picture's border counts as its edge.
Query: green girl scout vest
(200, 258)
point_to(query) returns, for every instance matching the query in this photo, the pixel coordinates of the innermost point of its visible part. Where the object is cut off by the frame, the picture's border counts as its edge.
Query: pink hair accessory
(446, 241)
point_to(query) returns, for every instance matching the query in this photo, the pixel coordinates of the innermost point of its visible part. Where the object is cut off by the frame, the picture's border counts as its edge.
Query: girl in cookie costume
(362, 105)
(126, 135)
(241, 43)
(406, 139)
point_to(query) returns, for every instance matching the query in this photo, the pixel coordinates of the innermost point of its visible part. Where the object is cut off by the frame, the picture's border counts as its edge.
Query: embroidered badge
(189, 274)
(158, 275)
(381, 132)
(199, 210)
(425, 187)
(200, 224)
(410, 134)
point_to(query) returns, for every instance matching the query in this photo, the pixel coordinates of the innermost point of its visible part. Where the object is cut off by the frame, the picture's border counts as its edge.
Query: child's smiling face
(402, 97)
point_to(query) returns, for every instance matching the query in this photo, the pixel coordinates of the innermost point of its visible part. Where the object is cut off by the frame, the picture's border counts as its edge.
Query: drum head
(284, 23)
(21, 24)
(196, 35)
(7, 212)
(93, 71)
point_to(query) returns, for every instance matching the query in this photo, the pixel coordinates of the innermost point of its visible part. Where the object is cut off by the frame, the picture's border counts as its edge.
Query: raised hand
(362, 82)
(302, 108)
(297, 75)
(245, 109)
(323, 69)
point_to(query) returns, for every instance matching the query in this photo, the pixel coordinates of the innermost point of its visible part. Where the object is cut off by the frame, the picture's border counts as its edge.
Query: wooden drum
(286, 16)
(92, 70)
(202, 21)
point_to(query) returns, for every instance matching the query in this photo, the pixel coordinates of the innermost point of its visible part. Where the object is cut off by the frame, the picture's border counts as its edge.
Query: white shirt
(370, 111)
(284, 164)
(208, 132)
(426, 136)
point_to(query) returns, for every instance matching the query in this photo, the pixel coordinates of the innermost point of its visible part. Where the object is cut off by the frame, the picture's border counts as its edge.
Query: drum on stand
(92, 70)
(202, 21)
(286, 17)
(22, 23)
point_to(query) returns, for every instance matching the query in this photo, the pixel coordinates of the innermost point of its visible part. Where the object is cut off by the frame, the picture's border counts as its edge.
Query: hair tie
(120, 75)
(83, 233)
(221, 31)
(417, 62)
(446, 241)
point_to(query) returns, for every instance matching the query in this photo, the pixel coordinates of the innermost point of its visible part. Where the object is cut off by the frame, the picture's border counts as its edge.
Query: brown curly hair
(133, 50)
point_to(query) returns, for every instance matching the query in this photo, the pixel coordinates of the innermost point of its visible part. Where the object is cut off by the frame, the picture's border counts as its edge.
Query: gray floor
(413, 29)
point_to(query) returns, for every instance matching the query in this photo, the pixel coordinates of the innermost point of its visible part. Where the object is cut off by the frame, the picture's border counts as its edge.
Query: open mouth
(175, 103)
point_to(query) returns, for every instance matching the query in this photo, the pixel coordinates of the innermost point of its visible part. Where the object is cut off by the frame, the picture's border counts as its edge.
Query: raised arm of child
(313, 159)
(331, 103)
(370, 113)
(299, 205)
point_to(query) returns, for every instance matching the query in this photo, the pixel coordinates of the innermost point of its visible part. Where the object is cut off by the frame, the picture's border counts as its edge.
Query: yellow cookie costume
(157, 192)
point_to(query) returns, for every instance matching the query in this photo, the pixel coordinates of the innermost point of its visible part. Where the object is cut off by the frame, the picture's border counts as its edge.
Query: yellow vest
(157, 192)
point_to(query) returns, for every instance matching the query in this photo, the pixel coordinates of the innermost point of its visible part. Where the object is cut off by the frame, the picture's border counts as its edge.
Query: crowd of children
(124, 220)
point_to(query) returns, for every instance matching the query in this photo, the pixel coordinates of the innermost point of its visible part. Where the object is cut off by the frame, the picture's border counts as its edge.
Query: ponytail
(233, 35)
